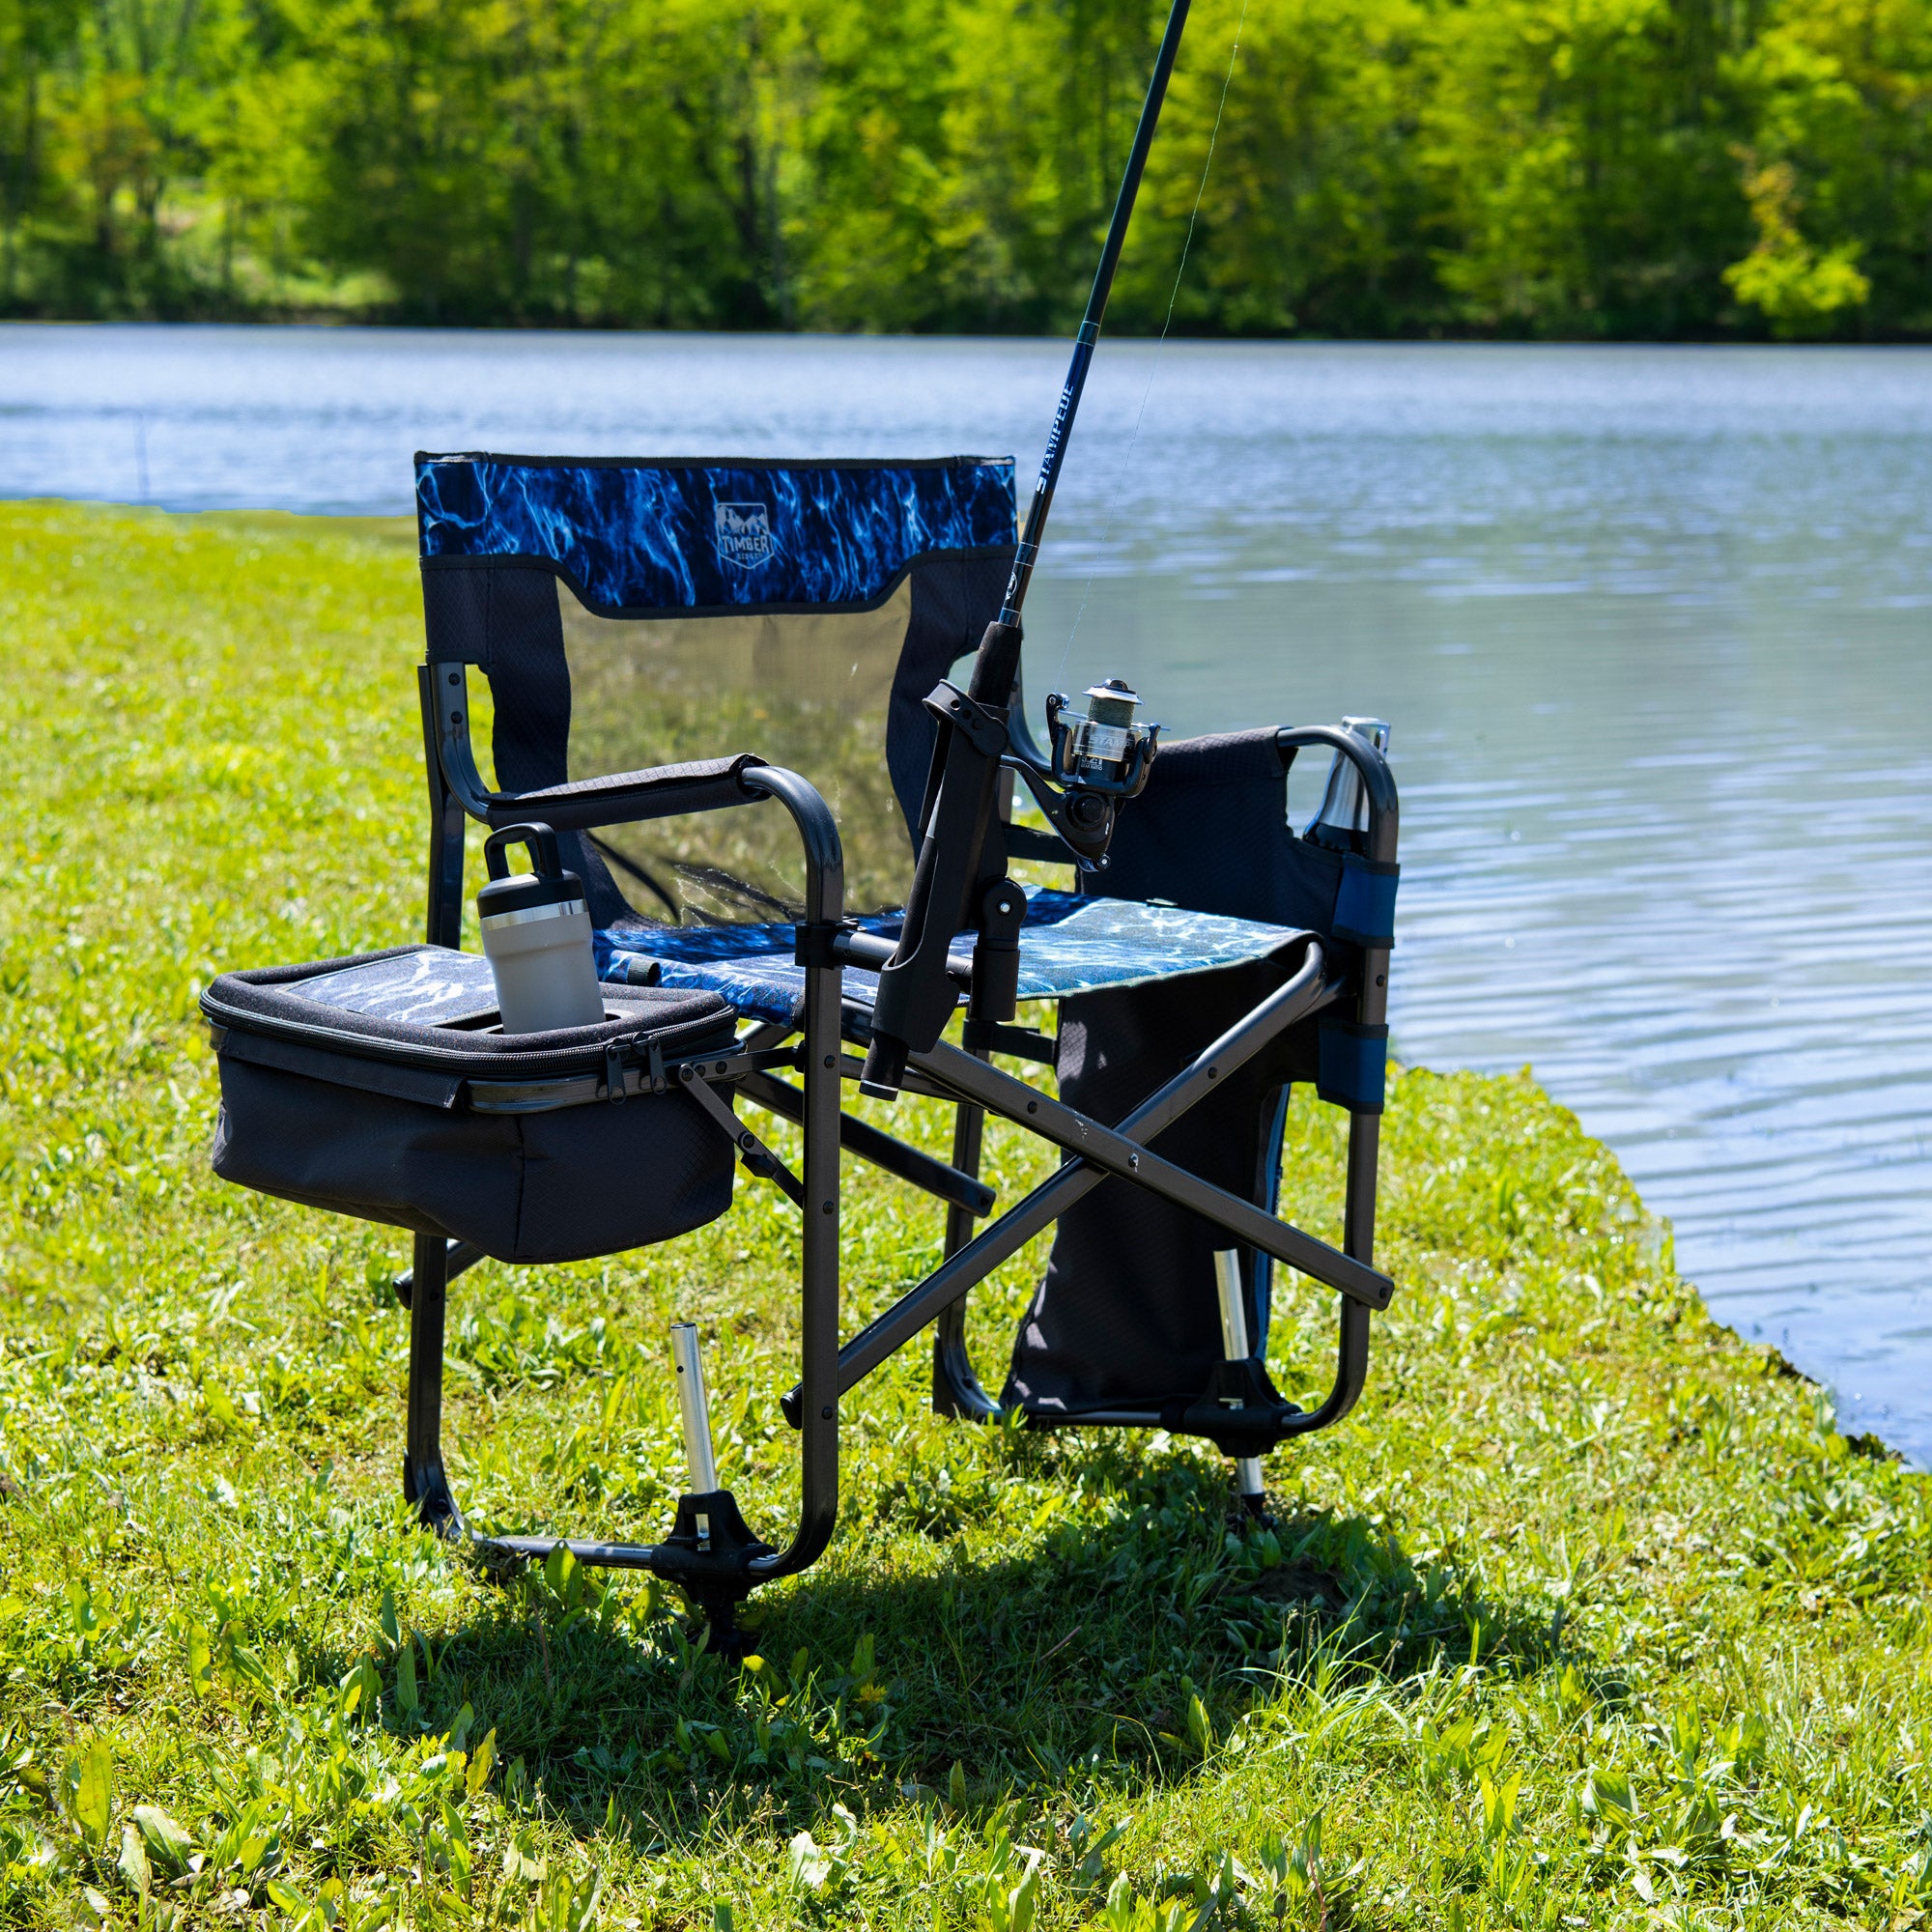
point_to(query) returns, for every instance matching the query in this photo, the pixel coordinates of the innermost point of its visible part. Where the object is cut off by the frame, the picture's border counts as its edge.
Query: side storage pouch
(372, 1087)
(1127, 1314)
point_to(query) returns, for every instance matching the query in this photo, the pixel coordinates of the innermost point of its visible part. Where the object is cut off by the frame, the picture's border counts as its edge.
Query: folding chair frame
(710, 1552)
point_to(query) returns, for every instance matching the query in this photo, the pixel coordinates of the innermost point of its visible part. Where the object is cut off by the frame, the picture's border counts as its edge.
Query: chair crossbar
(962, 1270)
(602, 1556)
(892, 1156)
(1124, 1157)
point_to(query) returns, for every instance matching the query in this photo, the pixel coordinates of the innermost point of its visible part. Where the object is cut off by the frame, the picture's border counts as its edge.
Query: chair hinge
(811, 945)
(758, 1157)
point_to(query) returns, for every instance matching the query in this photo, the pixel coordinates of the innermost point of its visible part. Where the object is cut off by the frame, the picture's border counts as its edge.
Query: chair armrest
(1378, 780)
(626, 798)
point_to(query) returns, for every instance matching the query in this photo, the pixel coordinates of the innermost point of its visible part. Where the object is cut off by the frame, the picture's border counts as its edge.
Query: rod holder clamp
(813, 943)
(983, 726)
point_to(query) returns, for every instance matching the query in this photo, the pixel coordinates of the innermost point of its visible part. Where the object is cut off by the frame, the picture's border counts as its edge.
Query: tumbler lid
(548, 885)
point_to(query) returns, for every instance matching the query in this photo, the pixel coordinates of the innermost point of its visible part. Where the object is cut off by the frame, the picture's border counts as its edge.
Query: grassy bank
(1587, 1617)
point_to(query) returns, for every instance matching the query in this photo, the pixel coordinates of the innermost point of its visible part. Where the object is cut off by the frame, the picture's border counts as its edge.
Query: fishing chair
(838, 878)
(841, 879)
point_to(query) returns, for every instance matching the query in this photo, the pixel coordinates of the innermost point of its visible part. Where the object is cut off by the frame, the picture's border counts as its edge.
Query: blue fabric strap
(1364, 901)
(1352, 1065)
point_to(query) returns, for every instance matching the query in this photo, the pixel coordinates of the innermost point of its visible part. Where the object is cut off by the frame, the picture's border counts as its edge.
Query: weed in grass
(1587, 1617)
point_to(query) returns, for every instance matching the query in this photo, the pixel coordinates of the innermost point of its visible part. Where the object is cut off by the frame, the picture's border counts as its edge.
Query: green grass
(1587, 1617)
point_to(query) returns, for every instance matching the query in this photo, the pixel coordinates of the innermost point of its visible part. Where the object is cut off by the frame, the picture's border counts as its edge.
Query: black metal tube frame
(457, 791)
(969, 1263)
(976, 1087)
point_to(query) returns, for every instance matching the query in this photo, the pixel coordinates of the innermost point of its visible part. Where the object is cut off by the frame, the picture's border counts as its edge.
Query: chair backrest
(636, 613)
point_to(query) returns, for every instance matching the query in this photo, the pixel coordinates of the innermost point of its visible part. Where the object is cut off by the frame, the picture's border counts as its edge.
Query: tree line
(1659, 169)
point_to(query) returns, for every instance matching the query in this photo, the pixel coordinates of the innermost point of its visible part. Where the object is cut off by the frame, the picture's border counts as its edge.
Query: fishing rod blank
(1090, 326)
(956, 886)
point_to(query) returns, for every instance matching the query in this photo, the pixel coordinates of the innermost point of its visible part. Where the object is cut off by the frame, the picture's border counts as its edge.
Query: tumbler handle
(541, 841)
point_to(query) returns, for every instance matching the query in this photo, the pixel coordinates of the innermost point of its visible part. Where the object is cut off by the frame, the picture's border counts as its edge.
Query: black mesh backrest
(632, 615)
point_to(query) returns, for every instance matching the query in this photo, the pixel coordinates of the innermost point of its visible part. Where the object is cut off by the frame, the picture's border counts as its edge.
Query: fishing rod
(1090, 327)
(961, 881)
(998, 664)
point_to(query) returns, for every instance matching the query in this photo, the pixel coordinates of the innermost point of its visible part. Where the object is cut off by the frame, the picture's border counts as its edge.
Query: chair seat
(1069, 945)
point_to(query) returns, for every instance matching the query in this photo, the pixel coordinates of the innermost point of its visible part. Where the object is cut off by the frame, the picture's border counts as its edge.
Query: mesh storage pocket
(395, 1121)
(1126, 1314)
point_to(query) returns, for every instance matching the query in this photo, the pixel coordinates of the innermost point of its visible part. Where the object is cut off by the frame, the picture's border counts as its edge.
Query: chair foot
(721, 1627)
(956, 1390)
(427, 1487)
(708, 1556)
(1251, 1511)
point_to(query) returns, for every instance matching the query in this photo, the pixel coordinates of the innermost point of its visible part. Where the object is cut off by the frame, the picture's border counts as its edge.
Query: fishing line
(1153, 367)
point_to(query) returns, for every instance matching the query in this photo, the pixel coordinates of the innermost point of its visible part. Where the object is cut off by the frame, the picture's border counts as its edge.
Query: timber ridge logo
(745, 534)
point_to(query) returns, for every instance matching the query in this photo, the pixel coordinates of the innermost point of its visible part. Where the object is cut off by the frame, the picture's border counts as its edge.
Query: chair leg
(1358, 1223)
(956, 1391)
(423, 1289)
(1359, 1240)
(424, 1480)
(460, 1256)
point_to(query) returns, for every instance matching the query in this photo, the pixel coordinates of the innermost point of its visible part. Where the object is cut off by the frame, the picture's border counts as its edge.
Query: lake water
(1651, 625)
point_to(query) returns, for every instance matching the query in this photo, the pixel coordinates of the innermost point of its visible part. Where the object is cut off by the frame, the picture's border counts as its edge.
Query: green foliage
(1315, 218)
(1593, 168)
(1587, 1616)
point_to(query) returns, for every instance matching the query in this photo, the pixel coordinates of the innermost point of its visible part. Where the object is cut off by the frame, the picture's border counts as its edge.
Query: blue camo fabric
(1069, 945)
(634, 537)
(429, 985)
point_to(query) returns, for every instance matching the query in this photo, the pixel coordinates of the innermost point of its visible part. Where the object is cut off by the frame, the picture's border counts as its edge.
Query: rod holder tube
(1235, 1349)
(693, 1406)
(1343, 815)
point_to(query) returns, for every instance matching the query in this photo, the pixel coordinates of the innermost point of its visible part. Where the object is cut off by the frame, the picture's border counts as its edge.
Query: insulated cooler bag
(379, 1087)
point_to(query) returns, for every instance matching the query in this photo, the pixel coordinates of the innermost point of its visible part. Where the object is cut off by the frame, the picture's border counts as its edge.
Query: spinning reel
(1096, 765)
(1097, 762)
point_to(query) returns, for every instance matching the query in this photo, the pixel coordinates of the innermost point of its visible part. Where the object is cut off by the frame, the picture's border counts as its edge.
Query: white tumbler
(537, 936)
